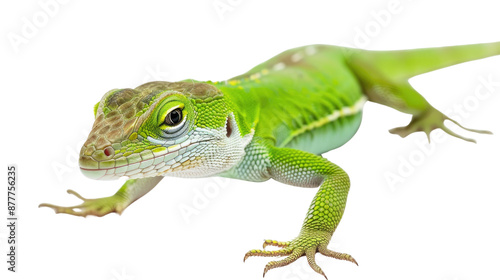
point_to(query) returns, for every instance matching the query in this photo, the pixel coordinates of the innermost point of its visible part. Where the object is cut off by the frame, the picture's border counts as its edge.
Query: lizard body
(272, 122)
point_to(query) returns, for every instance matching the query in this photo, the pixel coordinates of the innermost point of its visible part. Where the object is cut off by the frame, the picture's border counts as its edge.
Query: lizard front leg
(132, 190)
(303, 169)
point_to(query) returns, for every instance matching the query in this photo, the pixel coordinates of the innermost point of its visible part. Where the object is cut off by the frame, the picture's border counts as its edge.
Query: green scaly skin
(271, 122)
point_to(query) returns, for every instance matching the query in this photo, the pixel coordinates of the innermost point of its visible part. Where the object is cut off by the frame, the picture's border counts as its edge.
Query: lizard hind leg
(429, 120)
(384, 77)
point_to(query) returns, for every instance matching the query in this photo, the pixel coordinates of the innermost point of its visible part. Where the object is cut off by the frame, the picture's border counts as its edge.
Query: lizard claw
(310, 254)
(308, 243)
(76, 194)
(295, 255)
(336, 255)
(264, 253)
(269, 242)
(96, 207)
(431, 120)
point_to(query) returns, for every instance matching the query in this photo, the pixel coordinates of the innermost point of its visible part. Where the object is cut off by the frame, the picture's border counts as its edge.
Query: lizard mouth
(147, 164)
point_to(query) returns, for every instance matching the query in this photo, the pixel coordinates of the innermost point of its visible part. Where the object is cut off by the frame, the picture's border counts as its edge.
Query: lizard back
(308, 98)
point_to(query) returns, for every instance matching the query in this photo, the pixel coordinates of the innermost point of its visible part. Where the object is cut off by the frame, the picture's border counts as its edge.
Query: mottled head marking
(190, 89)
(162, 127)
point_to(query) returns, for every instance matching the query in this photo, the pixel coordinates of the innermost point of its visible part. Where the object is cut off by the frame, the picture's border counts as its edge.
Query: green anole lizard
(272, 122)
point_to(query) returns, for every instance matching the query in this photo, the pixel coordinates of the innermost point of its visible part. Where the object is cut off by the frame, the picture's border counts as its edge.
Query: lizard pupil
(174, 117)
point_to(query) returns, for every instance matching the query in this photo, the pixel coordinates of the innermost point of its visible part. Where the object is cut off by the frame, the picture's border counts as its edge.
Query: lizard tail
(404, 64)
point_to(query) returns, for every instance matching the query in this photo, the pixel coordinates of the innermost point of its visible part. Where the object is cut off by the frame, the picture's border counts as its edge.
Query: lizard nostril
(108, 151)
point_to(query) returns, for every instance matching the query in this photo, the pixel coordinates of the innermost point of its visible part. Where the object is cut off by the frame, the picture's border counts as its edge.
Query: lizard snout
(94, 163)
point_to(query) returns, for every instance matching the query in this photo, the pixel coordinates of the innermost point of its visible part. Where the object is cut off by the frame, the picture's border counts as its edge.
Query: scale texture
(273, 122)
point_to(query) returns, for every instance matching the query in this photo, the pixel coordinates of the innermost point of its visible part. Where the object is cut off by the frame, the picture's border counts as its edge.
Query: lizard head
(163, 128)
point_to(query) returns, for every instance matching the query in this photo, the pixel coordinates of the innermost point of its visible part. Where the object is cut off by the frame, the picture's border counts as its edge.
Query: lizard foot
(308, 243)
(430, 120)
(96, 207)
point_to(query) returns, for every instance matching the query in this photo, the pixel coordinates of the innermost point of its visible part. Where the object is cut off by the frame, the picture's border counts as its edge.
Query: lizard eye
(174, 118)
(172, 121)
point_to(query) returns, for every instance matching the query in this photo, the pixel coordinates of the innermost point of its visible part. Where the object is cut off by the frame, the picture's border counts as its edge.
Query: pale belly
(327, 137)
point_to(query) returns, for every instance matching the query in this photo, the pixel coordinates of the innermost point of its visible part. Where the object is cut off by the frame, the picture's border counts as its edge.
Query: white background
(442, 222)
